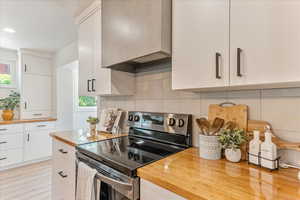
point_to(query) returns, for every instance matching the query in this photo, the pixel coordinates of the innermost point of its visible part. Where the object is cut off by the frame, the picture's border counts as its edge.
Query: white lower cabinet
(150, 191)
(37, 140)
(63, 171)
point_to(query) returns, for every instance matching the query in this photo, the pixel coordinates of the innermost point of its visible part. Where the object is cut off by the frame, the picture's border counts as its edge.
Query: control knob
(171, 122)
(136, 118)
(130, 117)
(180, 123)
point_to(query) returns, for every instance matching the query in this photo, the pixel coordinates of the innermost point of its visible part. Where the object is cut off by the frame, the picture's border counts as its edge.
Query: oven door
(111, 184)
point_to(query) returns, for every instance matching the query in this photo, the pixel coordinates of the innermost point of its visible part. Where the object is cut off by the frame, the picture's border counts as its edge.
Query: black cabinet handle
(3, 129)
(93, 85)
(218, 56)
(25, 105)
(3, 142)
(88, 85)
(25, 68)
(62, 151)
(239, 51)
(3, 158)
(28, 137)
(61, 173)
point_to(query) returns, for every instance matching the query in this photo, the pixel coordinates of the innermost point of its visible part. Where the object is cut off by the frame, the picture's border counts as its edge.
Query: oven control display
(153, 119)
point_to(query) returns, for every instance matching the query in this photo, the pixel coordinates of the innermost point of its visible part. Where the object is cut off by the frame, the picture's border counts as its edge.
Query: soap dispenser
(254, 148)
(268, 151)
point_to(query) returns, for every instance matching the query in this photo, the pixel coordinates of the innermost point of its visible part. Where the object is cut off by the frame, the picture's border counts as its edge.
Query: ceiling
(46, 25)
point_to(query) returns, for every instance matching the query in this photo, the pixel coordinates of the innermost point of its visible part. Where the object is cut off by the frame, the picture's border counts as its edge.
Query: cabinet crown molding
(94, 7)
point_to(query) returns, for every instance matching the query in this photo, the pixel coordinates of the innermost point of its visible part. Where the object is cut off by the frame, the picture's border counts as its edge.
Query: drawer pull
(3, 142)
(3, 158)
(37, 114)
(3, 129)
(62, 151)
(61, 173)
(41, 126)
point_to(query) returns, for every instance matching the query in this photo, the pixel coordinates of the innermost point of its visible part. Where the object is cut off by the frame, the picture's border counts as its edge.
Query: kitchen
(145, 61)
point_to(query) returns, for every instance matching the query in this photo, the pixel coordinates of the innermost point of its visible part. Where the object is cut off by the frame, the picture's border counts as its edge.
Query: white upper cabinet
(36, 84)
(32, 64)
(93, 79)
(200, 44)
(268, 35)
(264, 44)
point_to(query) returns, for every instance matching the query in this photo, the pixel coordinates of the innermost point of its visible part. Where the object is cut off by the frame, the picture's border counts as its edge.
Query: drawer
(37, 126)
(36, 114)
(63, 187)
(12, 156)
(11, 141)
(12, 128)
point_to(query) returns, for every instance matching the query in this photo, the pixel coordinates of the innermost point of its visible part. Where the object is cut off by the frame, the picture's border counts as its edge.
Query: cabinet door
(38, 144)
(200, 44)
(37, 92)
(89, 53)
(36, 65)
(268, 35)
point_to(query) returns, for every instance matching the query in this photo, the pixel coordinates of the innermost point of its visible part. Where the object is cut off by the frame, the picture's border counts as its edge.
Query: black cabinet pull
(61, 173)
(239, 51)
(25, 68)
(218, 56)
(3, 129)
(3, 158)
(25, 105)
(28, 137)
(93, 85)
(3, 142)
(62, 151)
(88, 85)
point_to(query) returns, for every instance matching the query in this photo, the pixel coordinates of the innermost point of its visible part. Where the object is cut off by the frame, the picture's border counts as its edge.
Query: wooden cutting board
(235, 113)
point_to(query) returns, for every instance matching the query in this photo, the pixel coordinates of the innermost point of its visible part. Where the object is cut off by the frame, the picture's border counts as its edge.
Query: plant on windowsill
(93, 121)
(232, 140)
(9, 104)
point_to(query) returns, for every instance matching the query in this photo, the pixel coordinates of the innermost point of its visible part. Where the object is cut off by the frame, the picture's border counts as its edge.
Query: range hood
(135, 32)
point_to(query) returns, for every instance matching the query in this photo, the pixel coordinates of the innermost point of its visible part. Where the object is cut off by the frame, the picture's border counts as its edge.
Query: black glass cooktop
(127, 153)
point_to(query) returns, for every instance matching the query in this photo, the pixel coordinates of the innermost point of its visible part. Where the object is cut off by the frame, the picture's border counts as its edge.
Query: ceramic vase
(233, 155)
(7, 115)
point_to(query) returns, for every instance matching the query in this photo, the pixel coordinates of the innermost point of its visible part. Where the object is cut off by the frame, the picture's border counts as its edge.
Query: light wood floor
(32, 182)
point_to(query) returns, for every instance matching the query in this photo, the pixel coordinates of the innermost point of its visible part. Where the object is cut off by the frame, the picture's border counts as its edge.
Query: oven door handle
(115, 183)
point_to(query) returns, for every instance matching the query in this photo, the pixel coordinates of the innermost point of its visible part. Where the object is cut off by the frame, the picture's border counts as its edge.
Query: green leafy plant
(11, 102)
(93, 120)
(232, 139)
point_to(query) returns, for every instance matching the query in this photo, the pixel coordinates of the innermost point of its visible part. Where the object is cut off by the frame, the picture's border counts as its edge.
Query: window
(7, 73)
(85, 101)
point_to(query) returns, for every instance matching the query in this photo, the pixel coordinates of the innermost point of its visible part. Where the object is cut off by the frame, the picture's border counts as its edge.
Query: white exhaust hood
(135, 31)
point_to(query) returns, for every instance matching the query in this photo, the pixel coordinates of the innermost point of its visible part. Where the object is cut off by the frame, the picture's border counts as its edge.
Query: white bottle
(268, 151)
(254, 148)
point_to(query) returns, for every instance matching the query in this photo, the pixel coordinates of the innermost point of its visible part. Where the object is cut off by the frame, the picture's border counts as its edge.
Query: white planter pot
(233, 155)
(209, 147)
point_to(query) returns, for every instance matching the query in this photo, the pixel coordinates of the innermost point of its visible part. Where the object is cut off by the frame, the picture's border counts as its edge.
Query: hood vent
(135, 32)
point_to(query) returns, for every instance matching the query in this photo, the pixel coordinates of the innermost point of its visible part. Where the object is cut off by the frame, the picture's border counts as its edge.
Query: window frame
(13, 70)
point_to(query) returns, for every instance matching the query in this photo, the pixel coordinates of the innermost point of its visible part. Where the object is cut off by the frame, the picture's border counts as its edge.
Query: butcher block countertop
(20, 121)
(194, 178)
(75, 138)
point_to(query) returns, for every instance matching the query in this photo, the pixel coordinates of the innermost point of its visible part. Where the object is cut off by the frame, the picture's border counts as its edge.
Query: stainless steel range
(152, 136)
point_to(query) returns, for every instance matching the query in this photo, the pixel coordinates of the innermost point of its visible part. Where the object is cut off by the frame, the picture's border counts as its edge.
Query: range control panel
(164, 122)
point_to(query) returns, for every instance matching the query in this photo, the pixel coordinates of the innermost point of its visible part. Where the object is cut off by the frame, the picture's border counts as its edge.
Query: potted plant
(231, 140)
(93, 121)
(8, 105)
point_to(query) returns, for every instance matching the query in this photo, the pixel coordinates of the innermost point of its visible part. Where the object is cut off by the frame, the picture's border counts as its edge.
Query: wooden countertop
(75, 138)
(194, 178)
(20, 121)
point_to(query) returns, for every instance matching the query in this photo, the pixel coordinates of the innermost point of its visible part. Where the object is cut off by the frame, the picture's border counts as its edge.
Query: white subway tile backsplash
(280, 107)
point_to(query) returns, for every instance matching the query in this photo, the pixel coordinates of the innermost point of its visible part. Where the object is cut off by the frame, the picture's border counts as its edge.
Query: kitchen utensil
(216, 126)
(229, 125)
(203, 125)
